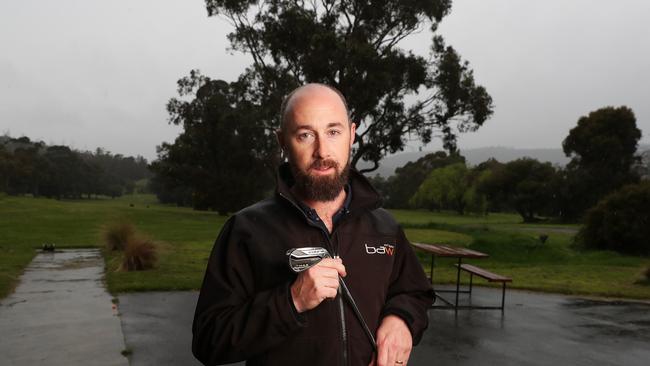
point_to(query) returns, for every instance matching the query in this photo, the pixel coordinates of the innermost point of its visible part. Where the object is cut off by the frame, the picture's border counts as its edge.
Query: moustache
(320, 164)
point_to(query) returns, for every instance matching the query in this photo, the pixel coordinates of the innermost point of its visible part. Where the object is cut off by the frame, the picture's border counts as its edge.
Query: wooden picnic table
(449, 252)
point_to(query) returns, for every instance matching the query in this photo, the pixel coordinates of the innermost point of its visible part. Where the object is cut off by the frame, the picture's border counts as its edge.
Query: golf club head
(301, 259)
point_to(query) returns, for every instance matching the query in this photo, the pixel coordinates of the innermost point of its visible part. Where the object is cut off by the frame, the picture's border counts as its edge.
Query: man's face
(317, 137)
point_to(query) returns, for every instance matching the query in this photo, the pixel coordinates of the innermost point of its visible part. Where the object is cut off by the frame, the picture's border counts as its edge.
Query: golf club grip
(364, 325)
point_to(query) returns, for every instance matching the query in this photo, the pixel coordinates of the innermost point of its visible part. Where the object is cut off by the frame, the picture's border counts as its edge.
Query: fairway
(185, 238)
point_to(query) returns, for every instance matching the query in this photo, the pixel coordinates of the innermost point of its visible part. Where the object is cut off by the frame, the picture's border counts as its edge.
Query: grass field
(185, 238)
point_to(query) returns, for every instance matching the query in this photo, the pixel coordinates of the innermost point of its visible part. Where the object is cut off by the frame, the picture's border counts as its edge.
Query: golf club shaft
(307, 257)
(364, 325)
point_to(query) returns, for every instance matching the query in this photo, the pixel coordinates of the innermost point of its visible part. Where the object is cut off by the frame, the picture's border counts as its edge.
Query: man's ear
(279, 138)
(353, 132)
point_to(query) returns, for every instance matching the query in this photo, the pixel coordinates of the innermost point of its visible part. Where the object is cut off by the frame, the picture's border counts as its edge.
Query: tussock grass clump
(140, 254)
(116, 235)
(643, 277)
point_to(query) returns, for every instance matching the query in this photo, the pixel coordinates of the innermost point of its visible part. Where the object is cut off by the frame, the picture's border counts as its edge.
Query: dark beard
(323, 189)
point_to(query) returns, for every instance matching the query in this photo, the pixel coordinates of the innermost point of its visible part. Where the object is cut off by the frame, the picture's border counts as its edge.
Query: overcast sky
(98, 73)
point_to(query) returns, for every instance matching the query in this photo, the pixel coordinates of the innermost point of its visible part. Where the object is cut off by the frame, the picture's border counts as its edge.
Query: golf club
(301, 259)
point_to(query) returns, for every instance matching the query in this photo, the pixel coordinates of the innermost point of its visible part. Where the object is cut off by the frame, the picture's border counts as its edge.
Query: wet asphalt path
(535, 329)
(61, 314)
(157, 327)
(538, 329)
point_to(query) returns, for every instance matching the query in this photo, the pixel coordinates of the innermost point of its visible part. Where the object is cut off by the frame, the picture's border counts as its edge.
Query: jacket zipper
(339, 297)
(343, 330)
(344, 335)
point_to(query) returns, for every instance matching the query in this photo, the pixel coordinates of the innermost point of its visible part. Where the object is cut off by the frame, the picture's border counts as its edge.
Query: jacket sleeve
(233, 321)
(409, 294)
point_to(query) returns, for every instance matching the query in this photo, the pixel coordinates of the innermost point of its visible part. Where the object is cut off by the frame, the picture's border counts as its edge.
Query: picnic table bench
(460, 253)
(491, 277)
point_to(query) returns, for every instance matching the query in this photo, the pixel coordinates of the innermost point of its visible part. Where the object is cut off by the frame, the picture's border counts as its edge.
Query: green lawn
(515, 250)
(185, 238)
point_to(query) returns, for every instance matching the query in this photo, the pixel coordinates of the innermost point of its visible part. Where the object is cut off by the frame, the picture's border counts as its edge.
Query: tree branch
(241, 27)
(374, 167)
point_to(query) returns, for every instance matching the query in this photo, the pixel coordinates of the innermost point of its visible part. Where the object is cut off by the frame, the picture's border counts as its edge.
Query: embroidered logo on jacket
(385, 249)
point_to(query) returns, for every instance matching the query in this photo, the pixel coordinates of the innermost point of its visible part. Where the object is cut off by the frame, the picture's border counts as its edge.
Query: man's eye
(334, 132)
(304, 136)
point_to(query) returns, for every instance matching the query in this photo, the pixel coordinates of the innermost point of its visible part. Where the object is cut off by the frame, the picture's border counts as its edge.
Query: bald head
(307, 92)
(316, 136)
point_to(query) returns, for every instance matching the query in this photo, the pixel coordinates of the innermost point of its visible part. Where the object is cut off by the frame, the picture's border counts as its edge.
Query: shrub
(140, 254)
(117, 234)
(620, 221)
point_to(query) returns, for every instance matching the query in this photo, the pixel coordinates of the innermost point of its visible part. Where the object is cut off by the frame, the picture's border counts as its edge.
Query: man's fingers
(323, 273)
(340, 268)
(390, 356)
(328, 282)
(394, 351)
(393, 341)
(382, 355)
(328, 293)
(316, 284)
(335, 264)
(326, 287)
(390, 360)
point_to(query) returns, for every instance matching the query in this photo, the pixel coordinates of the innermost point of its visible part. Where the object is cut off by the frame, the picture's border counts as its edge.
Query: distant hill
(476, 156)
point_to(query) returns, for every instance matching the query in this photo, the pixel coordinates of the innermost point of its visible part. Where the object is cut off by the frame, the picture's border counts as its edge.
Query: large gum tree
(394, 94)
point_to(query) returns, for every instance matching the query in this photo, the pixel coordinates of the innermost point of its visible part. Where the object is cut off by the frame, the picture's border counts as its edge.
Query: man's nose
(322, 148)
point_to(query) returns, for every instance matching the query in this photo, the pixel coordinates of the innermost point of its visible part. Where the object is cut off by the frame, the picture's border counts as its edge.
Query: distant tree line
(32, 167)
(602, 149)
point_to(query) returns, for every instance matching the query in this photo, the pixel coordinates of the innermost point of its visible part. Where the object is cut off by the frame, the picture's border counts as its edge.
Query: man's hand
(316, 284)
(394, 343)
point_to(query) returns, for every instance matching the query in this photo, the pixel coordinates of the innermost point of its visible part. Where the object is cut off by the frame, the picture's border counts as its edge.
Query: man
(253, 307)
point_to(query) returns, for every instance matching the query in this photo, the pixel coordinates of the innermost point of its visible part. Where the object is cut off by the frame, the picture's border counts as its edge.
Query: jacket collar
(364, 196)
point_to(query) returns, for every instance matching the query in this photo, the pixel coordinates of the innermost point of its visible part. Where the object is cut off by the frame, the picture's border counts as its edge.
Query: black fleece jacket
(245, 311)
